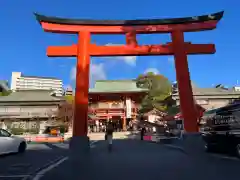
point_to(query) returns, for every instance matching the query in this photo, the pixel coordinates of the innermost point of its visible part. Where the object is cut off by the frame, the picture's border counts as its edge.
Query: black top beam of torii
(141, 22)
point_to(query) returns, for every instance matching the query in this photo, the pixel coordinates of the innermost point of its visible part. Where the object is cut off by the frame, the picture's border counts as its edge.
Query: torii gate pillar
(184, 81)
(80, 127)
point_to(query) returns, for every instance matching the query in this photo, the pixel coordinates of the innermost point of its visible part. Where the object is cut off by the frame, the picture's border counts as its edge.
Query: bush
(33, 131)
(17, 131)
(63, 128)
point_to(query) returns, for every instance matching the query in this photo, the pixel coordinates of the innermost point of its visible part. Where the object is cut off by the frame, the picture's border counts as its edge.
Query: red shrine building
(116, 100)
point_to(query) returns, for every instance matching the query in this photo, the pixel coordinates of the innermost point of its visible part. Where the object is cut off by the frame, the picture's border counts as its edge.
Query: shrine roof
(116, 86)
(184, 20)
(213, 92)
(30, 96)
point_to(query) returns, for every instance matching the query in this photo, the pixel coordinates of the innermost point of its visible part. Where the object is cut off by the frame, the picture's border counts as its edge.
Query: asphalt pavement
(132, 159)
(36, 157)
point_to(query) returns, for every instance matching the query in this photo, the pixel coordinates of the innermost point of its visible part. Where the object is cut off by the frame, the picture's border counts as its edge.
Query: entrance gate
(83, 50)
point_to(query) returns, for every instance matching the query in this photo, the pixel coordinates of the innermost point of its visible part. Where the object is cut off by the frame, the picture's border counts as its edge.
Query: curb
(34, 142)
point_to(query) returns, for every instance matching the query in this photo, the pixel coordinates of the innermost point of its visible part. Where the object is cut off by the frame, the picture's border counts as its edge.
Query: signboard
(222, 123)
(128, 108)
(225, 120)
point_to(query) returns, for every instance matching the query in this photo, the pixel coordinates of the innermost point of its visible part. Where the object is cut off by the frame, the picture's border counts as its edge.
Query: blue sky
(23, 42)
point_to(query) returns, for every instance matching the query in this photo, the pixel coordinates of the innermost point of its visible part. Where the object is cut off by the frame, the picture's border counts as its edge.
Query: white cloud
(97, 72)
(153, 70)
(130, 60)
(73, 73)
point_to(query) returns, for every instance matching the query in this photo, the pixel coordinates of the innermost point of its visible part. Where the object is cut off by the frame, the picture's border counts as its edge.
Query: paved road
(133, 159)
(37, 156)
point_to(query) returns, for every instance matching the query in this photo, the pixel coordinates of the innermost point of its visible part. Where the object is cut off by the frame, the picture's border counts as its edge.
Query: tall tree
(159, 94)
(69, 99)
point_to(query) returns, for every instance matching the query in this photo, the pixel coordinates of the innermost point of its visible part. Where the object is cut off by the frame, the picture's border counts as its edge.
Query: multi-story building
(68, 91)
(19, 81)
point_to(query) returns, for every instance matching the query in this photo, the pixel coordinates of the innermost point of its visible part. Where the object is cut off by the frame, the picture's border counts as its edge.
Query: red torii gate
(83, 50)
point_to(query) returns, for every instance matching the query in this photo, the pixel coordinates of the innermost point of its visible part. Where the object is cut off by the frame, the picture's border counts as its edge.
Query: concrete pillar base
(192, 143)
(79, 156)
(79, 146)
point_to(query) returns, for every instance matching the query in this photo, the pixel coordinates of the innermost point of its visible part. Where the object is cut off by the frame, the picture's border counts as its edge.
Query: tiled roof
(30, 96)
(212, 92)
(115, 86)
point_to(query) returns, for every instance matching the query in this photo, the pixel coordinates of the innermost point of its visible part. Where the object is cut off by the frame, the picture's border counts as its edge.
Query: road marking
(14, 176)
(49, 168)
(175, 147)
(92, 144)
(225, 157)
(41, 173)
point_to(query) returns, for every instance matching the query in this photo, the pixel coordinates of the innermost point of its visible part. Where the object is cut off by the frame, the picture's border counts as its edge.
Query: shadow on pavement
(133, 159)
(36, 157)
(130, 158)
(191, 145)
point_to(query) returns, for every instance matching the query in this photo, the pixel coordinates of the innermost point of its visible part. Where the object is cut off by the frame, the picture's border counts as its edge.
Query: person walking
(109, 135)
(142, 133)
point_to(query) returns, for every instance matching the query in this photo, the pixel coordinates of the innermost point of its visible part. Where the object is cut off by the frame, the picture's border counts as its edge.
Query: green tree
(69, 98)
(5, 93)
(159, 94)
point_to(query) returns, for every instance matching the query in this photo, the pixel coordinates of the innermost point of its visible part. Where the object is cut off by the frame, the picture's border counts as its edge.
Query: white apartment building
(68, 91)
(19, 81)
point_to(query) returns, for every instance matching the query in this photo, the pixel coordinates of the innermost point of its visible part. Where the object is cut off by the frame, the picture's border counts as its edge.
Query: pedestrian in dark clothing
(143, 131)
(109, 135)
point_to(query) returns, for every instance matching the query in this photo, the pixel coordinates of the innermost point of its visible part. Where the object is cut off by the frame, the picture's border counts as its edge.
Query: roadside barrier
(159, 139)
(44, 139)
(147, 138)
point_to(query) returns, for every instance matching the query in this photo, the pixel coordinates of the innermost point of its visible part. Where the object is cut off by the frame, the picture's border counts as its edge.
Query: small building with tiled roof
(210, 98)
(30, 97)
(30, 106)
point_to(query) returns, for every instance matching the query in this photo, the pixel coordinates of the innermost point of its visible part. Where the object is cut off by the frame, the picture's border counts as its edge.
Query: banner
(128, 108)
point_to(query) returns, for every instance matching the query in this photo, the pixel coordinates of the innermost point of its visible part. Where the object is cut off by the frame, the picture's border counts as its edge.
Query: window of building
(116, 105)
